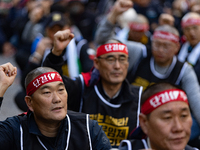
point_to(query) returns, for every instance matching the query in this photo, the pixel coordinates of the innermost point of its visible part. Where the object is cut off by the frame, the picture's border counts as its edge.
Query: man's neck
(111, 89)
(48, 129)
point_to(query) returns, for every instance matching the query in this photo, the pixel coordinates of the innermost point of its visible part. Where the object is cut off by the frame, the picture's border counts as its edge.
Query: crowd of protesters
(107, 50)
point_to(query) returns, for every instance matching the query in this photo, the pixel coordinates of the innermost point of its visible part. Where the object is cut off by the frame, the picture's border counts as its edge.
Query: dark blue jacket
(10, 134)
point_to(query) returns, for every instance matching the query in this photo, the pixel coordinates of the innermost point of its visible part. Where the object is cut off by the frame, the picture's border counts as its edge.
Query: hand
(44, 43)
(7, 75)
(119, 7)
(61, 40)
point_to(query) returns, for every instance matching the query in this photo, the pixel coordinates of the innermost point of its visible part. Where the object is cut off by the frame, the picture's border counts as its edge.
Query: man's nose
(177, 125)
(117, 63)
(56, 98)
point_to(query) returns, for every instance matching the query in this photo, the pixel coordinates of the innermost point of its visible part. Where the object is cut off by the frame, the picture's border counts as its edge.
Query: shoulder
(76, 115)
(11, 121)
(190, 148)
(133, 88)
(10, 126)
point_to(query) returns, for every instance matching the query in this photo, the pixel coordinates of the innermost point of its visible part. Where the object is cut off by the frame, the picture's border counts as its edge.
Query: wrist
(3, 90)
(57, 53)
(35, 58)
(112, 18)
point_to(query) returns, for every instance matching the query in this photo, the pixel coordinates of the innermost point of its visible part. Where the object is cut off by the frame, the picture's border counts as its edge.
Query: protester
(106, 31)
(151, 9)
(165, 18)
(165, 120)
(190, 50)
(41, 48)
(110, 99)
(162, 65)
(137, 29)
(47, 124)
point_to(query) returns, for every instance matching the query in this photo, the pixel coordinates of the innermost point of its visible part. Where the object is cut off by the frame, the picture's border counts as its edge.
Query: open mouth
(57, 109)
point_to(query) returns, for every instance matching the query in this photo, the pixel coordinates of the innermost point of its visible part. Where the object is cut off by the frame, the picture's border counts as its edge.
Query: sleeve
(54, 62)
(105, 31)
(86, 57)
(98, 137)
(9, 134)
(190, 85)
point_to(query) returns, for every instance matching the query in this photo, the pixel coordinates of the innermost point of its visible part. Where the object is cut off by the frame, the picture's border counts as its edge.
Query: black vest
(145, 76)
(74, 134)
(117, 120)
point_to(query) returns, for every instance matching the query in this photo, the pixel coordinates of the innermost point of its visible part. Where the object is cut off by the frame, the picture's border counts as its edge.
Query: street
(9, 108)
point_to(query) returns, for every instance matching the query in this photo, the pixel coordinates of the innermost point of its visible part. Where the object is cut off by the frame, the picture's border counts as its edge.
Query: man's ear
(28, 100)
(96, 63)
(143, 123)
(177, 48)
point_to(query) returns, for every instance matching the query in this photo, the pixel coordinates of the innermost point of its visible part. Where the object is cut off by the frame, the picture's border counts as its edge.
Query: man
(106, 30)
(135, 30)
(165, 18)
(110, 99)
(190, 51)
(162, 65)
(54, 22)
(165, 120)
(47, 124)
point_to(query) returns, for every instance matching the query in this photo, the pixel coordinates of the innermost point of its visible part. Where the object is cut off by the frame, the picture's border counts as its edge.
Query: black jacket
(117, 116)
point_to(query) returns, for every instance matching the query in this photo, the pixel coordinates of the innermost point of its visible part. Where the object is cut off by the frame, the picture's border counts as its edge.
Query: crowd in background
(27, 28)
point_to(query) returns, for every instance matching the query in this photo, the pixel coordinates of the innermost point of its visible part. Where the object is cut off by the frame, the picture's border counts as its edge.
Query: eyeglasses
(165, 46)
(112, 60)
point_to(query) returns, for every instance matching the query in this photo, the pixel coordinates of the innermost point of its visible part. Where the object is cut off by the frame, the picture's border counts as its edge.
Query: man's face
(192, 34)
(163, 51)
(136, 35)
(112, 67)
(168, 127)
(49, 102)
(50, 31)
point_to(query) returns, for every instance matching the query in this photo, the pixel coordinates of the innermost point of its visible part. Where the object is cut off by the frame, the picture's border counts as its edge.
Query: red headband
(41, 80)
(166, 36)
(111, 47)
(139, 27)
(189, 22)
(162, 98)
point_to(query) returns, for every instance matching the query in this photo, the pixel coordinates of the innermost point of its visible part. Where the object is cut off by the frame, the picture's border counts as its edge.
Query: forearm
(104, 32)
(190, 85)
(3, 89)
(54, 62)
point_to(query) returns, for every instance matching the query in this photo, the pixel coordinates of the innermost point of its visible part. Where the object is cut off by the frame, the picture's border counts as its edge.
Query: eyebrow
(121, 55)
(169, 111)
